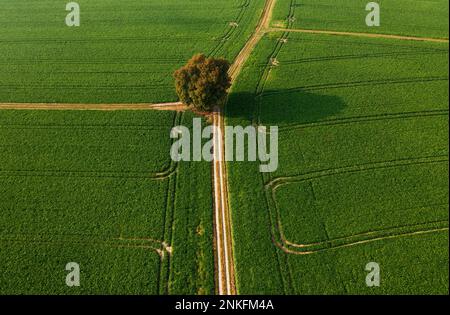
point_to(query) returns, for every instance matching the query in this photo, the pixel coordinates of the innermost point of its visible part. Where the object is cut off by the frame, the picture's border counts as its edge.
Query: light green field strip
(374, 236)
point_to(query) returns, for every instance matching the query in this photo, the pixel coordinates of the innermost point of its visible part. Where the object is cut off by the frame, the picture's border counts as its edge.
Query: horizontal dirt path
(176, 106)
(370, 35)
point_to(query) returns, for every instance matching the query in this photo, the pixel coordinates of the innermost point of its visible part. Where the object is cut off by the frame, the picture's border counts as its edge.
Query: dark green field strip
(352, 84)
(88, 127)
(106, 207)
(423, 51)
(192, 261)
(330, 208)
(278, 181)
(360, 68)
(87, 240)
(131, 152)
(63, 144)
(406, 17)
(39, 268)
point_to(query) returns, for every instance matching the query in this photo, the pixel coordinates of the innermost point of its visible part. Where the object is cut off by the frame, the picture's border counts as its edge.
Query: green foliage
(203, 82)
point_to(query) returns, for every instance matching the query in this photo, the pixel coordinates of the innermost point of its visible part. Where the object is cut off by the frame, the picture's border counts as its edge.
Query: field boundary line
(359, 34)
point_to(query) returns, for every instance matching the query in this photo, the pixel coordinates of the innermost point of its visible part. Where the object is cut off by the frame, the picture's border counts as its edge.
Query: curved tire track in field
(378, 234)
(157, 246)
(288, 247)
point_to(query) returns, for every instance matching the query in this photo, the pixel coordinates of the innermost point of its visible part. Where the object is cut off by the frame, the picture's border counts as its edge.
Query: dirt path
(370, 35)
(106, 107)
(226, 280)
(223, 242)
(261, 28)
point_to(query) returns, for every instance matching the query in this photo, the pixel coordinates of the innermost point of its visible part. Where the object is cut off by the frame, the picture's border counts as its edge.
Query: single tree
(203, 82)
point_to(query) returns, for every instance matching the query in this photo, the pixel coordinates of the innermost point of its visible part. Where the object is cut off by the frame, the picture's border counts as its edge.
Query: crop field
(363, 147)
(405, 17)
(124, 51)
(363, 165)
(100, 189)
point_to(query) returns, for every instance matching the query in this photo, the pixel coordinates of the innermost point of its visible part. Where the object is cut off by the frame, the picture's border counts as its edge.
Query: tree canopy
(203, 82)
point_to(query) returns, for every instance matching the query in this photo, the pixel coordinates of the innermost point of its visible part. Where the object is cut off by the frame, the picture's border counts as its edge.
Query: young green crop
(362, 177)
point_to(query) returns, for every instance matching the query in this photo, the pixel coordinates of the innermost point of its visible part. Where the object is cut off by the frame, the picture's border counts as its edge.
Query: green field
(99, 189)
(363, 165)
(363, 149)
(123, 52)
(399, 17)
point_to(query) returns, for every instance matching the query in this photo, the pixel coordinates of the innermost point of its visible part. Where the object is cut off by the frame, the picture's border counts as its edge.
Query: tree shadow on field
(283, 107)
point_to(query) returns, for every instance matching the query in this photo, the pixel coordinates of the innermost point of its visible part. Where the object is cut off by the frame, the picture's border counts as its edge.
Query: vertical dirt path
(225, 272)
